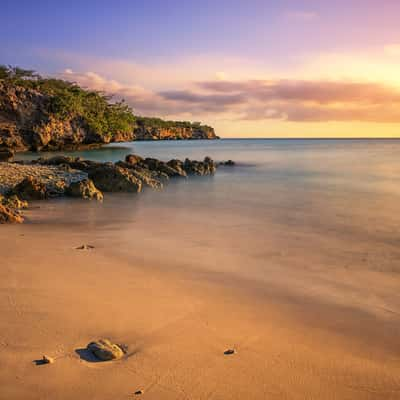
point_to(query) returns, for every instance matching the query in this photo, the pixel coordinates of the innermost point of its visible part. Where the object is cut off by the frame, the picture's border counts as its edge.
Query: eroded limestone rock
(84, 189)
(9, 216)
(30, 189)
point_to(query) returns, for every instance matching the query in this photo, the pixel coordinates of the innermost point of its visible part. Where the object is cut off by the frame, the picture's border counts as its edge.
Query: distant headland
(41, 114)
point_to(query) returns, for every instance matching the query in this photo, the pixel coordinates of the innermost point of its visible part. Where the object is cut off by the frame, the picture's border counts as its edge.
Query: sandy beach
(200, 200)
(300, 330)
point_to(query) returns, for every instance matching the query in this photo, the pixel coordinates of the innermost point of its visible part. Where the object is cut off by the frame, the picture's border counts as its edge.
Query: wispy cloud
(290, 100)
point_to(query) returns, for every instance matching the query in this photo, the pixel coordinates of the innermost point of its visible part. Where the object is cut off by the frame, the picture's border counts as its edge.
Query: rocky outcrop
(147, 177)
(206, 167)
(133, 159)
(112, 178)
(227, 163)
(161, 167)
(177, 165)
(9, 215)
(86, 179)
(13, 201)
(174, 132)
(30, 189)
(135, 172)
(84, 189)
(9, 209)
(54, 177)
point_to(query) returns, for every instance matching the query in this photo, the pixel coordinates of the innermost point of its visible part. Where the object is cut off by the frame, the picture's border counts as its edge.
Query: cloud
(289, 100)
(296, 100)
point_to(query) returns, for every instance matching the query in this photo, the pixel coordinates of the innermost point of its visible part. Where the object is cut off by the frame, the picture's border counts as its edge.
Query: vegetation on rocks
(149, 122)
(66, 100)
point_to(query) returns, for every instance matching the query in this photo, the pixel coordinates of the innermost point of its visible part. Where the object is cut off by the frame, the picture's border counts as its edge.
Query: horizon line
(313, 138)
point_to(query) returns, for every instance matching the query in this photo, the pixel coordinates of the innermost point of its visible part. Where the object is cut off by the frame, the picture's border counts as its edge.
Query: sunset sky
(249, 68)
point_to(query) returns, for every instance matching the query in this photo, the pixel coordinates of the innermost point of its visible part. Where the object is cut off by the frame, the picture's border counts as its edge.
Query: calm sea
(350, 167)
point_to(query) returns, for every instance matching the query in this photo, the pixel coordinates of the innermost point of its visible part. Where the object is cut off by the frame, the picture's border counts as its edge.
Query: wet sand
(309, 314)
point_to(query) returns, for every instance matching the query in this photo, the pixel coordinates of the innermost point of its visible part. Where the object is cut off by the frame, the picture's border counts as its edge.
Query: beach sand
(305, 327)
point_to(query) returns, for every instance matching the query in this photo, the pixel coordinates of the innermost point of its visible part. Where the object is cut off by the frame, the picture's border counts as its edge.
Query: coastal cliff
(51, 114)
(158, 129)
(28, 123)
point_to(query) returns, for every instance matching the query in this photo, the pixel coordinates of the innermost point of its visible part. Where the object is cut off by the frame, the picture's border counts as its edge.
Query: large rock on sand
(105, 350)
(9, 216)
(30, 189)
(84, 189)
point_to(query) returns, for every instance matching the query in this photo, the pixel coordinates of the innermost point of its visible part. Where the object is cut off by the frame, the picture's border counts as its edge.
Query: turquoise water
(370, 165)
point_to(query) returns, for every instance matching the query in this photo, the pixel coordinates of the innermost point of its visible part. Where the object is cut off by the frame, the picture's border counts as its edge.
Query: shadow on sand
(88, 356)
(40, 362)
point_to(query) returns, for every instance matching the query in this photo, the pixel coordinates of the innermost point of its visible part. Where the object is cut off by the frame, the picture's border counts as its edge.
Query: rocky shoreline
(21, 182)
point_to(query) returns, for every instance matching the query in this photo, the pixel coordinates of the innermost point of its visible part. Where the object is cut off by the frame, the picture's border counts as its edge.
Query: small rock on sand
(229, 352)
(47, 360)
(105, 350)
(138, 392)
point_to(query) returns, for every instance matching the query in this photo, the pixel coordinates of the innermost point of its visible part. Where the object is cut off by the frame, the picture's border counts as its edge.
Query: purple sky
(148, 50)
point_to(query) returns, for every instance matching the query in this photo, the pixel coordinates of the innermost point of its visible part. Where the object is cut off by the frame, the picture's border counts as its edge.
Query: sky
(250, 68)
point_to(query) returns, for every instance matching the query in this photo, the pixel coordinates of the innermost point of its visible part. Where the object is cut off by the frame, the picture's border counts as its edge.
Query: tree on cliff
(67, 100)
(16, 74)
